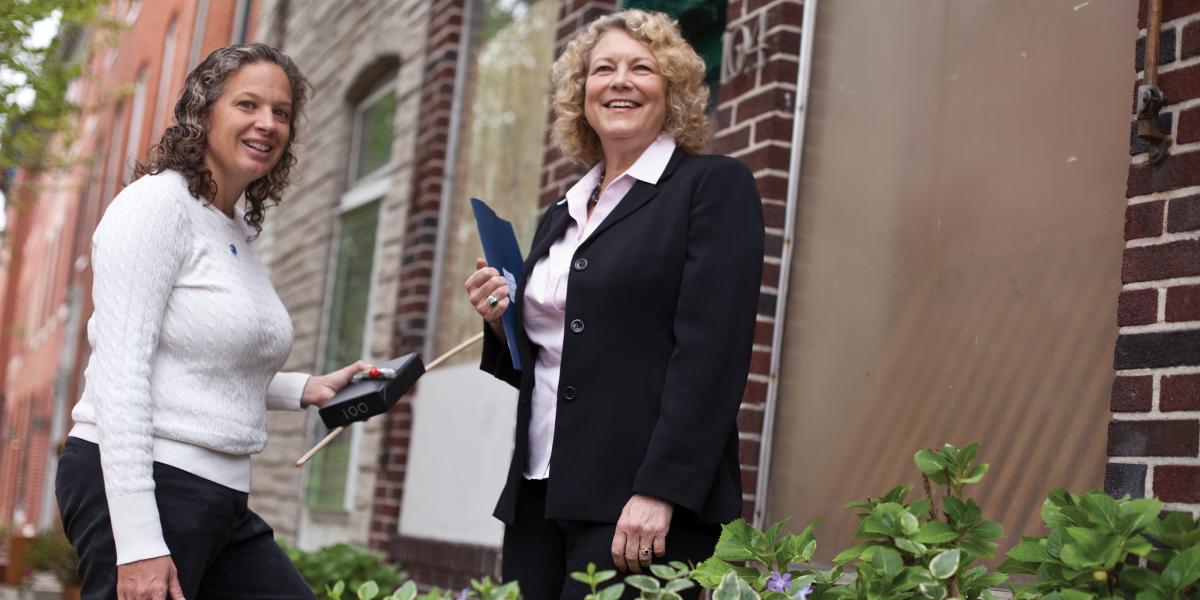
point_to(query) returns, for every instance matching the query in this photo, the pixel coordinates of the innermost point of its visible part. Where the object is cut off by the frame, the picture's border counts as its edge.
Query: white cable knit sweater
(187, 338)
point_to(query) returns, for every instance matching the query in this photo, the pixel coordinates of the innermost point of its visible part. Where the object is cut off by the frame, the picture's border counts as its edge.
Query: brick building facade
(924, 280)
(125, 103)
(1154, 436)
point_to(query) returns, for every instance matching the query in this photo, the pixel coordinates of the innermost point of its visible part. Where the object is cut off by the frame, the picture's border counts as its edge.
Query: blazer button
(580, 264)
(577, 326)
(569, 392)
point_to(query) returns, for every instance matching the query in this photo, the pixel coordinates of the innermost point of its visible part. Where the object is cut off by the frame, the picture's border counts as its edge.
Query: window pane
(375, 135)
(328, 470)
(504, 129)
(956, 268)
(351, 286)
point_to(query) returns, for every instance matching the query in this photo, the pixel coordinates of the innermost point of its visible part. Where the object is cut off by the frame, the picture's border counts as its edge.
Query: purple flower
(779, 583)
(464, 594)
(802, 594)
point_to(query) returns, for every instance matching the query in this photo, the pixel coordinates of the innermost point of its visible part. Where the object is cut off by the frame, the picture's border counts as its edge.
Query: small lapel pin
(233, 249)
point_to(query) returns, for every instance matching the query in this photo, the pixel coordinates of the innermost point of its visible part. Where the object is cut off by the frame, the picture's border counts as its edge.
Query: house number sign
(744, 46)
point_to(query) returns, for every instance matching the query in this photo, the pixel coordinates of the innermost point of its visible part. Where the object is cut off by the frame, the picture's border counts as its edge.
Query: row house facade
(964, 243)
(947, 240)
(133, 71)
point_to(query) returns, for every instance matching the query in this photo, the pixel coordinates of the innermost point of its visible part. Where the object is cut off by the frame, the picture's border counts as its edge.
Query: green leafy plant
(345, 564)
(50, 552)
(1100, 547)
(769, 565)
(593, 578)
(927, 548)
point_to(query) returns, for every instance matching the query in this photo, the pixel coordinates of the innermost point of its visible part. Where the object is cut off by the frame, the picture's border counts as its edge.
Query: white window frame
(137, 118)
(162, 111)
(371, 187)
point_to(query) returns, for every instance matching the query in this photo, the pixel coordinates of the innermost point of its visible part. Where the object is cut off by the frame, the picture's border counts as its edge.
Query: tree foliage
(34, 78)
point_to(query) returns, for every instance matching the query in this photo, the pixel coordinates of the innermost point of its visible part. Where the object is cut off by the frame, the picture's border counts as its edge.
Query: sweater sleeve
(138, 251)
(283, 393)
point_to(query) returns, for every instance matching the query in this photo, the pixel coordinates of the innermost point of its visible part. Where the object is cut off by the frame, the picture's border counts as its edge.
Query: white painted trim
(803, 77)
(449, 175)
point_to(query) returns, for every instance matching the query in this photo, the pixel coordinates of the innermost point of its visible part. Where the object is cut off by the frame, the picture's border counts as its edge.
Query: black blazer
(660, 315)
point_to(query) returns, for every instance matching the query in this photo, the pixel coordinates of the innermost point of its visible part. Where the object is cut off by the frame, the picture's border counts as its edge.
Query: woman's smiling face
(625, 95)
(249, 126)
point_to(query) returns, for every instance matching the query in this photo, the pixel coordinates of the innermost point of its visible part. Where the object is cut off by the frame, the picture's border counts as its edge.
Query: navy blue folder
(502, 252)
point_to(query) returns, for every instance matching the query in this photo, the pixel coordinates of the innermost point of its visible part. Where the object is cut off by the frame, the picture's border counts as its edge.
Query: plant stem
(929, 494)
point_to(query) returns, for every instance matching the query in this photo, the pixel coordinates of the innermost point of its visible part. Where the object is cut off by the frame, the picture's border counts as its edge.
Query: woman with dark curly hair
(636, 311)
(187, 340)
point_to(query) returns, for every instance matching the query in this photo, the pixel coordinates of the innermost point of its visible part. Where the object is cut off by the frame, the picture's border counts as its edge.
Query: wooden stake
(429, 367)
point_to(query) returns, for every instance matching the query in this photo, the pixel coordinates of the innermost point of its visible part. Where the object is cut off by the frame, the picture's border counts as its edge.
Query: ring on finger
(492, 301)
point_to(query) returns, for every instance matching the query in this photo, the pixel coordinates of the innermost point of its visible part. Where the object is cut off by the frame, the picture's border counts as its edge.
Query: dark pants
(541, 553)
(220, 548)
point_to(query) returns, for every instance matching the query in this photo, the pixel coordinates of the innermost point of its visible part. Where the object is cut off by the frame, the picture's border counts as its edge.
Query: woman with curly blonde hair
(187, 340)
(637, 306)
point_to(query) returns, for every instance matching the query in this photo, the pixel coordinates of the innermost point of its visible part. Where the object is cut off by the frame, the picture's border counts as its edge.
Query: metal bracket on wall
(1149, 101)
(1150, 98)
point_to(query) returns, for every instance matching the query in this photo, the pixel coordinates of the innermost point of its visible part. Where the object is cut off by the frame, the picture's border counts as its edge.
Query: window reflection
(506, 112)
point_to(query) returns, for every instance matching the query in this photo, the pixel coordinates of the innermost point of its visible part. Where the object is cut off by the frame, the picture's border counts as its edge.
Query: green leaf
(888, 561)
(909, 523)
(663, 572)
(1177, 530)
(920, 508)
(643, 582)
(733, 588)
(612, 592)
(678, 585)
(1136, 515)
(928, 462)
(969, 453)
(936, 532)
(1076, 595)
(735, 543)
(1183, 570)
(408, 591)
(936, 591)
(709, 573)
(1029, 550)
(975, 475)
(368, 590)
(988, 530)
(1139, 578)
(914, 548)
(1138, 546)
(851, 553)
(945, 564)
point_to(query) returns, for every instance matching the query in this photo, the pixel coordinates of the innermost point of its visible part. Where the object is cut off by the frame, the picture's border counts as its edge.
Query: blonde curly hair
(681, 68)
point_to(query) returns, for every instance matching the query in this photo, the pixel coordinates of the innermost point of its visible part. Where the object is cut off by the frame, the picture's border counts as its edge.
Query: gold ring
(645, 551)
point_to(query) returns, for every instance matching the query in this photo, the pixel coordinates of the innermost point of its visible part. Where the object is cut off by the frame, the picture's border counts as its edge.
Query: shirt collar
(648, 167)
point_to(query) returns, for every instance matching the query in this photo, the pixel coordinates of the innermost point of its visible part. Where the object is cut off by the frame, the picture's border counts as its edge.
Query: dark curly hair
(183, 144)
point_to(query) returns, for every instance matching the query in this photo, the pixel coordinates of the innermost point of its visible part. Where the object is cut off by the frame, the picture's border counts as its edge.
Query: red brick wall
(1154, 436)
(416, 272)
(76, 198)
(754, 123)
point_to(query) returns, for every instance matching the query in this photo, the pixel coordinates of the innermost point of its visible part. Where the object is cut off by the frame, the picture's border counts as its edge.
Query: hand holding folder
(503, 254)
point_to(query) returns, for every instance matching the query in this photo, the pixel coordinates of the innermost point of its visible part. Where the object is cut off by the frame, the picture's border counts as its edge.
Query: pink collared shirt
(546, 290)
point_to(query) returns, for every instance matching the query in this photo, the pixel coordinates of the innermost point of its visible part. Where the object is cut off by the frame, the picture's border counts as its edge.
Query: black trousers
(220, 548)
(541, 553)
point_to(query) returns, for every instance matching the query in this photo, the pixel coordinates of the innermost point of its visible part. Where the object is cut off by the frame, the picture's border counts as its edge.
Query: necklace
(595, 197)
